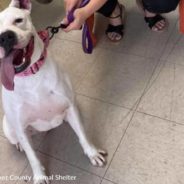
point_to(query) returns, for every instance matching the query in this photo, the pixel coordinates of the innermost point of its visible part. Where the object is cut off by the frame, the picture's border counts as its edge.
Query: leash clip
(53, 30)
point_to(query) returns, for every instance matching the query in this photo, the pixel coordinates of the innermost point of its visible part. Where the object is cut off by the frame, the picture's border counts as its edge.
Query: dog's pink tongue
(7, 72)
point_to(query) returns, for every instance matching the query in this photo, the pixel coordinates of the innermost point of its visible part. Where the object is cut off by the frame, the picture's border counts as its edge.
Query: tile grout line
(120, 141)
(144, 92)
(68, 163)
(159, 62)
(139, 100)
(178, 64)
(172, 94)
(160, 70)
(27, 163)
(2, 136)
(141, 112)
(149, 85)
(123, 52)
(133, 113)
(103, 101)
(109, 181)
(87, 72)
(174, 46)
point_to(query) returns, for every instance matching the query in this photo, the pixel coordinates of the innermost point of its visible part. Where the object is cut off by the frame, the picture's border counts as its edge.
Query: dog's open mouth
(16, 61)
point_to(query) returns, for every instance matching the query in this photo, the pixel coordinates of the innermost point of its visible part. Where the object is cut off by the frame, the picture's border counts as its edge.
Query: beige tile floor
(131, 100)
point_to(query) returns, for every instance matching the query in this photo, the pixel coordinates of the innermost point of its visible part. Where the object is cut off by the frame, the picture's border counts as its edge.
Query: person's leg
(108, 8)
(112, 10)
(153, 9)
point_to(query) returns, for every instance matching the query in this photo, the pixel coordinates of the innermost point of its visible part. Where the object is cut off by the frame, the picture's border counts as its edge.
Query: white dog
(35, 92)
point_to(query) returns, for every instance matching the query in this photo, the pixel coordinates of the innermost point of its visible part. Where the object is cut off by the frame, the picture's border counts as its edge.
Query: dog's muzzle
(17, 62)
(8, 40)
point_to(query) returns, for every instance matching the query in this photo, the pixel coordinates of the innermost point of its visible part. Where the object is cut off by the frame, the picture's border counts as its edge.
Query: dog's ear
(22, 4)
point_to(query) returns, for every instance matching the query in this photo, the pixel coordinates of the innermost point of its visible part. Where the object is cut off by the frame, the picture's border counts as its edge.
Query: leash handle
(88, 38)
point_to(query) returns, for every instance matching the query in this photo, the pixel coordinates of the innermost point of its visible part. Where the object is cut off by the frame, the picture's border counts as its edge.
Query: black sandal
(117, 29)
(152, 21)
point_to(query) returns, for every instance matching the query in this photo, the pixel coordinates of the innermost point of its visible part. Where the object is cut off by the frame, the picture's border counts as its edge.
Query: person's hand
(79, 15)
(79, 19)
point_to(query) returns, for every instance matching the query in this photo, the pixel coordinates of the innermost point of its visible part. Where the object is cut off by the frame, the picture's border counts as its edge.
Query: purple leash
(87, 42)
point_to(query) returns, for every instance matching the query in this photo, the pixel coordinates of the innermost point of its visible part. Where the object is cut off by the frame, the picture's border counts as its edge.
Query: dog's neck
(38, 48)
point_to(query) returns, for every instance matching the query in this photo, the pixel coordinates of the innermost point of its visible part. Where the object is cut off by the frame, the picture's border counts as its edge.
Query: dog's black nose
(8, 40)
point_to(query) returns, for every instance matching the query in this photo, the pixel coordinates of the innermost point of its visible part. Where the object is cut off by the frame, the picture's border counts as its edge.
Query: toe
(118, 37)
(102, 152)
(114, 36)
(109, 36)
(100, 163)
(99, 158)
(159, 26)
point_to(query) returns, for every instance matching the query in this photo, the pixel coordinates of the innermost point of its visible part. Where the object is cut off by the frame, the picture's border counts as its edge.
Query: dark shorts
(160, 6)
(108, 8)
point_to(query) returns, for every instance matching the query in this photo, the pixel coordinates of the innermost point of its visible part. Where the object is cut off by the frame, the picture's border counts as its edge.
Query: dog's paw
(19, 147)
(41, 180)
(98, 159)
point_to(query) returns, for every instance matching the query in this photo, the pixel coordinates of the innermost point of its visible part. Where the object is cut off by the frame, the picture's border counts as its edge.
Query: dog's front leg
(97, 157)
(38, 170)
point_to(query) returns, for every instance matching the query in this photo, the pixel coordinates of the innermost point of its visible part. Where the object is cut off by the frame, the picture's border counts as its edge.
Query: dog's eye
(18, 21)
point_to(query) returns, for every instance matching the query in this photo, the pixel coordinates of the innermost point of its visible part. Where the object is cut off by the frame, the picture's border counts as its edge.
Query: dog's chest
(45, 107)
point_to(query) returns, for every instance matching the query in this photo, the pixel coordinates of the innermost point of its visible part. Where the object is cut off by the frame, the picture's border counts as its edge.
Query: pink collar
(35, 67)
